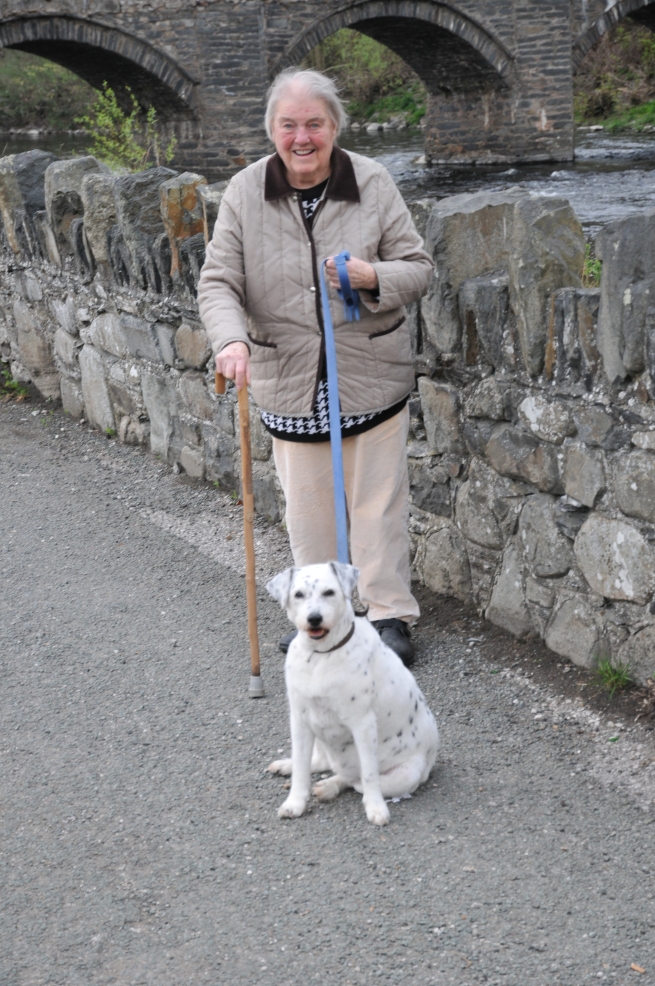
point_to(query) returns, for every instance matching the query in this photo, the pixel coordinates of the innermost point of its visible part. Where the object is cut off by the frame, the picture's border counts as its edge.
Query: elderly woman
(259, 298)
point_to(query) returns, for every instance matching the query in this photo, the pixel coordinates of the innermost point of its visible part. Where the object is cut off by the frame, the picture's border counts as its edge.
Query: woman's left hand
(362, 275)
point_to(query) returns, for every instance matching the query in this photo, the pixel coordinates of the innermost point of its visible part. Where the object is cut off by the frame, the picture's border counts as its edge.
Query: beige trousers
(377, 495)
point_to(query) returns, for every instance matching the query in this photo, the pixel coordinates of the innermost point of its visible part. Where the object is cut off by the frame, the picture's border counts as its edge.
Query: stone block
(546, 551)
(488, 506)
(192, 346)
(507, 608)
(638, 652)
(548, 420)
(125, 336)
(515, 454)
(63, 196)
(572, 355)
(266, 492)
(22, 178)
(442, 562)
(27, 287)
(181, 211)
(138, 209)
(627, 249)
(634, 484)
(66, 347)
(644, 440)
(574, 633)
(72, 399)
(261, 442)
(165, 336)
(489, 399)
(485, 315)
(584, 475)
(210, 198)
(547, 253)
(133, 431)
(615, 559)
(193, 462)
(594, 425)
(220, 456)
(195, 396)
(64, 314)
(35, 349)
(97, 195)
(429, 486)
(97, 405)
(124, 386)
(440, 404)
(161, 403)
(467, 236)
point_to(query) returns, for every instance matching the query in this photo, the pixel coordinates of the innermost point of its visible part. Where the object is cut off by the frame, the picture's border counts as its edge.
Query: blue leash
(351, 313)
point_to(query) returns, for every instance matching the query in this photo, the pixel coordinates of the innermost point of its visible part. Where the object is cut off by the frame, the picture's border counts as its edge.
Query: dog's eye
(299, 595)
(329, 592)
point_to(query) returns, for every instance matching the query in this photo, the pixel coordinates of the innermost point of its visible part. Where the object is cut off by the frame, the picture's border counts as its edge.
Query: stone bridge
(499, 74)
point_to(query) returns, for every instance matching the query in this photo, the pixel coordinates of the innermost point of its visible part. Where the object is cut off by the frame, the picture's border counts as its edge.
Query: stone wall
(532, 447)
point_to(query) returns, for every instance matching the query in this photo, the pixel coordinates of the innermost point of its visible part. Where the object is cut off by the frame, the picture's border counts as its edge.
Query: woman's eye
(329, 592)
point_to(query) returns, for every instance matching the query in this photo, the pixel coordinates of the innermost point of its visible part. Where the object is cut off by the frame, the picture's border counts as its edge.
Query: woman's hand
(234, 363)
(362, 275)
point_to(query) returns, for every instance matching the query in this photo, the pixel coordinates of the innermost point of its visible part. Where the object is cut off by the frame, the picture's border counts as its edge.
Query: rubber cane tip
(256, 687)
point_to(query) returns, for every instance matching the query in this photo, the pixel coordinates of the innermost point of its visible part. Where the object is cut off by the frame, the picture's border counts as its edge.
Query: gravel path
(139, 842)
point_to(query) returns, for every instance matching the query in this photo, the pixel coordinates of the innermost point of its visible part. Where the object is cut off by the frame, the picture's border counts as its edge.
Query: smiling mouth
(318, 634)
(304, 153)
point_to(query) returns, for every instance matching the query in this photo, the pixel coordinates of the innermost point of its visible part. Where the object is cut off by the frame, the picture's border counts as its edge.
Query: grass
(613, 677)
(636, 118)
(37, 94)
(374, 82)
(592, 270)
(11, 389)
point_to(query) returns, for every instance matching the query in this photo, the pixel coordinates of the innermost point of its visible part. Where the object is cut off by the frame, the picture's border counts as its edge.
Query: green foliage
(636, 118)
(37, 94)
(592, 270)
(616, 77)
(130, 140)
(110, 432)
(613, 677)
(374, 81)
(11, 389)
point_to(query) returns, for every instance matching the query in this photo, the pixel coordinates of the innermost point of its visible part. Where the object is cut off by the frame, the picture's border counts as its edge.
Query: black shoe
(286, 640)
(396, 634)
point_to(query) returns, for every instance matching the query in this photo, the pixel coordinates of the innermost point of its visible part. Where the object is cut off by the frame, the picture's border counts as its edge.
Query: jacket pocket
(385, 332)
(260, 342)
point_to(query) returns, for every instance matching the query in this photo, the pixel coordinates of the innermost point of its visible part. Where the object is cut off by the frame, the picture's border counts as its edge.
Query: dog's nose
(314, 620)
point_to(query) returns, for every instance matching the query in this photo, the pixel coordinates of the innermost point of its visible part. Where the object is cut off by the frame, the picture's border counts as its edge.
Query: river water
(612, 175)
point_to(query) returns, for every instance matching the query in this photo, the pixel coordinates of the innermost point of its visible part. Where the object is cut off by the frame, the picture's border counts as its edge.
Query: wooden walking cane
(255, 688)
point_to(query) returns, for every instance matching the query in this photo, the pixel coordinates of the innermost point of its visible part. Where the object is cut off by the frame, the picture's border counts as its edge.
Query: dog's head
(316, 597)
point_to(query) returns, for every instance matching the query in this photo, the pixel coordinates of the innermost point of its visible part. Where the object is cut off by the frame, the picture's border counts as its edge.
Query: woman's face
(304, 134)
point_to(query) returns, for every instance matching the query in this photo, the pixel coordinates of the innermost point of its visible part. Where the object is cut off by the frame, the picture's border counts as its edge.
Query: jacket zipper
(317, 293)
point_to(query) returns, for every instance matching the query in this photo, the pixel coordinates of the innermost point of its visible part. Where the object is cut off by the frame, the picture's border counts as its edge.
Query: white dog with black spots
(356, 710)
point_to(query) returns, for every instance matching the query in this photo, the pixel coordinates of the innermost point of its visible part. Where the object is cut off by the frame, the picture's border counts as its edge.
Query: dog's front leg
(365, 735)
(302, 743)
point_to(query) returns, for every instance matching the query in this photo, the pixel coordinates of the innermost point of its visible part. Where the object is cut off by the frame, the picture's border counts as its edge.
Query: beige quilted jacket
(259, 284)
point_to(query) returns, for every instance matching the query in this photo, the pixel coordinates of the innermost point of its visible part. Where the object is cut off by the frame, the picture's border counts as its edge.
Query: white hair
(314, 84)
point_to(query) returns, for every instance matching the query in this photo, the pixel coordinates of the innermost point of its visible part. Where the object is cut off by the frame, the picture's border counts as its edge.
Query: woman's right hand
(234, 363)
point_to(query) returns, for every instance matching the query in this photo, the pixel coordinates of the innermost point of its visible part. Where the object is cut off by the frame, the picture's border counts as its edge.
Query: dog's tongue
(317, 634)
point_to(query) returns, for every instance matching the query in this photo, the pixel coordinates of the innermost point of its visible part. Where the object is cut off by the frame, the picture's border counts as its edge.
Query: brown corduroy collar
(342, 185)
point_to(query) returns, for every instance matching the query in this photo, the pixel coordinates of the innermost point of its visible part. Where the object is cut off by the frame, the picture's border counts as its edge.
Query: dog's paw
(280, 767)
(327, 789)
(377, 814)
(291, 808)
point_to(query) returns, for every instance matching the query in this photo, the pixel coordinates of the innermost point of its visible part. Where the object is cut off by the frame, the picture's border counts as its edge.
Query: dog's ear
(280, 586)
(347, 576)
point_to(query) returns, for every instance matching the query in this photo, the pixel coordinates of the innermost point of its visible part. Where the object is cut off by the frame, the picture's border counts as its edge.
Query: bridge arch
(97, 53)
(642, 11)
(446, 49)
